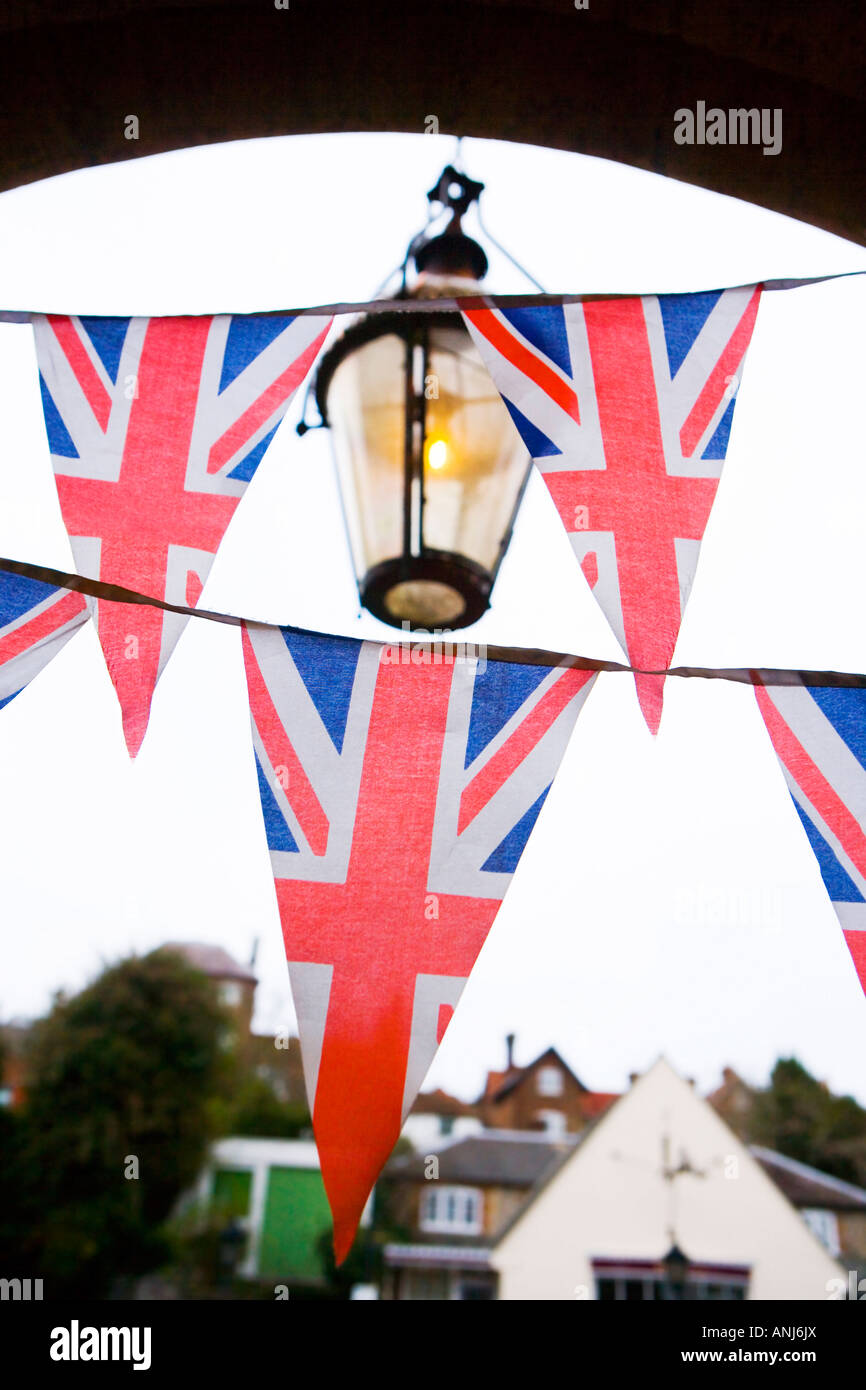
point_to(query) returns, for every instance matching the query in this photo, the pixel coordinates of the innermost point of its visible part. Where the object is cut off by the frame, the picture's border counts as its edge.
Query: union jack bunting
(36, 621)
(819, 734)
(625, 405)
(397, 799)
(155, 426)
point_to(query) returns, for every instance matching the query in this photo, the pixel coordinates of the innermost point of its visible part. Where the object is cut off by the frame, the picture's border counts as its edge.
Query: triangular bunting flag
(397, 796)
(36, 621)
(819, 734)
(626, 405)
(155, 426)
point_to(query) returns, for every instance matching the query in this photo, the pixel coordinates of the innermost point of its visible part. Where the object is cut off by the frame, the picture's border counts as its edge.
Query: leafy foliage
(128, 1069)
(256, 1110)
(798, 1116)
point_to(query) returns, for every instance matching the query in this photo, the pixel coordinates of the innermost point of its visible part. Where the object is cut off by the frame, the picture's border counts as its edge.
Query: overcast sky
(667, 901)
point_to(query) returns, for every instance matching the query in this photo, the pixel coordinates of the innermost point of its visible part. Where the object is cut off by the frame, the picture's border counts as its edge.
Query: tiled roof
(493, 1082)
(440, 1103)
(594, 1103)
(501, 1158)
(501, 1083)
(808, 1187)
(212, 960)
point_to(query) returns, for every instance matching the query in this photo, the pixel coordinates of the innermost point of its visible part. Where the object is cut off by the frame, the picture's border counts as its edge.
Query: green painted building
(273, 1189)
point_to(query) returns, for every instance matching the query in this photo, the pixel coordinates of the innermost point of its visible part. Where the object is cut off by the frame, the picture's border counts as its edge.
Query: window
(549, 1081)
(824, 1225)
(655, 1289)
(476, 1289)
(454, 1209)
(554, 1122)
(231, 993)
(636, 1281)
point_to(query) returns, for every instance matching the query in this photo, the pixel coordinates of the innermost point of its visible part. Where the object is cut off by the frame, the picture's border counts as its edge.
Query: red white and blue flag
(36, 622)
(155, 426)
(397, 799)
(625, 405)
(819, 734)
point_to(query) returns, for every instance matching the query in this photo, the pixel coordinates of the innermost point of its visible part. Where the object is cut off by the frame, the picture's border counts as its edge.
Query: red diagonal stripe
(85, 372)
(857, 946)
(28, 634)
(830, 807)
(708, 401)
(499, 768)
(299, 793)
(525, 361)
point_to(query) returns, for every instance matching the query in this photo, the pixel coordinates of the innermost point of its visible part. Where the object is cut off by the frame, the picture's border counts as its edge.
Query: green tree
(800, 1117)
(256, 1110)
(122, 1083)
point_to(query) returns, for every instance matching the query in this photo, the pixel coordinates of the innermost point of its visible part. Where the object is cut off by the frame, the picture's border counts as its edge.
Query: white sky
(667, 901)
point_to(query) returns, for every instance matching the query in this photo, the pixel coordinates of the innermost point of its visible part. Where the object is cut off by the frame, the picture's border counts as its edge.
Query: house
(733, 1100)
(275, 1059)
(834, 1210)
(437, 1118)
(546, 1095)
(236, 984)
(604, 1215)
(272, 1189)
(455, 1203)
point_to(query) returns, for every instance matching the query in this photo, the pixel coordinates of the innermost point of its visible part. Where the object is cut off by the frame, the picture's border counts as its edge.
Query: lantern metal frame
(416, 561)
(447, 256)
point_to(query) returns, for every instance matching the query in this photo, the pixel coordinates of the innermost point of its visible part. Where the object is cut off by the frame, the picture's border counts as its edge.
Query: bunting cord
(518, 655)
(521, 656)
(432, 306)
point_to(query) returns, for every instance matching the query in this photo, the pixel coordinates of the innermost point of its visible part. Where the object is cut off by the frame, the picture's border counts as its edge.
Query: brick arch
(605, 80)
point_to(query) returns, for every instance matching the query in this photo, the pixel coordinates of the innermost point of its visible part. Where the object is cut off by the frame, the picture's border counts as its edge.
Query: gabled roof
(809, 1187)
(498, 1158)
(212, 960)
(502, 1083)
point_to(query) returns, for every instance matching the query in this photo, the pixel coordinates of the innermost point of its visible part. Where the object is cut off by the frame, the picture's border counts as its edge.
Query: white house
(659, 1169)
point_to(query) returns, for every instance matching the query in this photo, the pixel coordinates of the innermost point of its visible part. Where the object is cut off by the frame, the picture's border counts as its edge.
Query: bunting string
(521, 656)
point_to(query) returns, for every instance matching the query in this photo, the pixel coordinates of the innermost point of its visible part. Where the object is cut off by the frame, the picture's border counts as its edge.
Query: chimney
(509, 1051)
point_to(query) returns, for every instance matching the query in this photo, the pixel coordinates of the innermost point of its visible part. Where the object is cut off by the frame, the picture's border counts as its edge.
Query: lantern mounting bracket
(455, 191)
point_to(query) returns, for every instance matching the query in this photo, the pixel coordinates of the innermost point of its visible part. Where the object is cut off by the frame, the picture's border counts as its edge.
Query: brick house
(544, 1096)
(454, 1210)
(733, 1100)
(275, 1060)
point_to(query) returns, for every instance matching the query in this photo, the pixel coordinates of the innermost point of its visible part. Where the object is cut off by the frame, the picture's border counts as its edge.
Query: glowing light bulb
(437, 454)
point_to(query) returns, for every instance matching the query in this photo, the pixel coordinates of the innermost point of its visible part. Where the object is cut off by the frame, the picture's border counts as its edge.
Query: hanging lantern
(430, 466)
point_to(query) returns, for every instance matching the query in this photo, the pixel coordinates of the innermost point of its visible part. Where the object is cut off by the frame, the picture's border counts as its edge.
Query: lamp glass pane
(475, 464)
(366, 409)
(474, 458)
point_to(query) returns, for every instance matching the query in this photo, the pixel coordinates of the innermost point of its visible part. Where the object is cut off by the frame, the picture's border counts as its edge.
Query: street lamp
(430, 466)
(676, 1266)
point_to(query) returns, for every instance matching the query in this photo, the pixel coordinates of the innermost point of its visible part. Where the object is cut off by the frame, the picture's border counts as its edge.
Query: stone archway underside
(605, 80)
